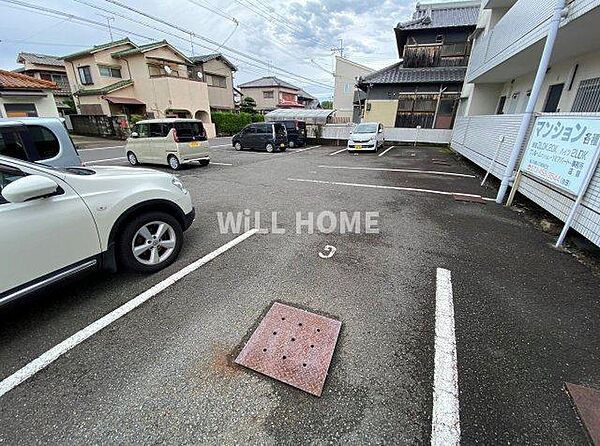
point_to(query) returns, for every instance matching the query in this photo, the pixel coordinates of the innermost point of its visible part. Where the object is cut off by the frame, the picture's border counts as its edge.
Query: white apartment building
(345, 93)
(506, 52)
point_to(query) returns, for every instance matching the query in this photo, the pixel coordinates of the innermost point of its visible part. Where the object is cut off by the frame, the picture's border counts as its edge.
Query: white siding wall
(393, 134)
(523, 25)
(477, 138)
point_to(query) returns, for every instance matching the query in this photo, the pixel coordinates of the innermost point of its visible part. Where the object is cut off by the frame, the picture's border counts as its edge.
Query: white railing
(525, 23)
(393, 134)
(481, 138)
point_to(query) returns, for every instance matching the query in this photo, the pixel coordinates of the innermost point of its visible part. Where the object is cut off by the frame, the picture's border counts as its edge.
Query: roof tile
(17, 81)
(397, 74)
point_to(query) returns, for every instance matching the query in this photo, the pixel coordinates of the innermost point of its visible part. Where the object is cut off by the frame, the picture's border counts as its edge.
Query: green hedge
(230, 123)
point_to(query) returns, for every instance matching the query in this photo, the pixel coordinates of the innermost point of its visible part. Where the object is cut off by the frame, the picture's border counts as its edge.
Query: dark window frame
(85, 75)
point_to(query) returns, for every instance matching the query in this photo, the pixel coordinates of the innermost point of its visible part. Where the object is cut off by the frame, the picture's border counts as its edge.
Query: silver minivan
(40, 140)
(169, 141)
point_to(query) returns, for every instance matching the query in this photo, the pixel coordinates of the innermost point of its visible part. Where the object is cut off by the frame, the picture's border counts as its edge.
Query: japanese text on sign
(560, 150)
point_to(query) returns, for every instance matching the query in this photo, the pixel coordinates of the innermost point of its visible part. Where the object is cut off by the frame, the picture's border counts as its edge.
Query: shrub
(228, 123)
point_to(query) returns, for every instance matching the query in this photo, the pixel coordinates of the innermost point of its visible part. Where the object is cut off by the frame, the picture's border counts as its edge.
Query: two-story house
(271, 93)
(217, 71)
(48, 68)
(154, 80)
(423, 89)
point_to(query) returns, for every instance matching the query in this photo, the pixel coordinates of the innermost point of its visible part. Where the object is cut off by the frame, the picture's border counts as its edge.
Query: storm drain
(469, 198)
(292, 346)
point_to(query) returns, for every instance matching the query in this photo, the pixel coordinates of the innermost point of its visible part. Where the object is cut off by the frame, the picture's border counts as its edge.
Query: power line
(206, 39)
(52, 12)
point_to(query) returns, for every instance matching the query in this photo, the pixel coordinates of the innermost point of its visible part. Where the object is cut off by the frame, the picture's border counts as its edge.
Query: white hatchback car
(171, 141)
(366, 136)
(56, 222)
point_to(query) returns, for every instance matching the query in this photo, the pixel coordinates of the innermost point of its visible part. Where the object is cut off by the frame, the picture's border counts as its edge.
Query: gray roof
(268, 81)
(397, 74)
(311, 116)
(305, 94)
(41, 59)
(207, 57)
(442, 15)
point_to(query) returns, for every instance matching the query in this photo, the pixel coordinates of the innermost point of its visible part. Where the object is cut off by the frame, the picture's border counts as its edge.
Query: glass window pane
(44, 141)
(11, 144)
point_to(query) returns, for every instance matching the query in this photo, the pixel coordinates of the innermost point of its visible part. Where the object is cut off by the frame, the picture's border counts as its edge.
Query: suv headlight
(178, 184)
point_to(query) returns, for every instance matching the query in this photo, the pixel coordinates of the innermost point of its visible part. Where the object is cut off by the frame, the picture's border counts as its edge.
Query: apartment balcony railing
(525, 23)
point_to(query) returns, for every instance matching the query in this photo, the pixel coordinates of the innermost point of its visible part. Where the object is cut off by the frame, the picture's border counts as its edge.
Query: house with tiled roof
(49, 68)
(24, 96)
(423, 88)
(154, 80)
(218, 73)
(272, 93)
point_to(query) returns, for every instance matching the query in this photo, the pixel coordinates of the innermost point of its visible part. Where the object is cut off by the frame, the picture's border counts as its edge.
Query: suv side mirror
(30, 188)
(134, 135)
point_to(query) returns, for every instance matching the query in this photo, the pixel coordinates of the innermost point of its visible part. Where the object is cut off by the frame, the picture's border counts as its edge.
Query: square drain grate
(292, 346)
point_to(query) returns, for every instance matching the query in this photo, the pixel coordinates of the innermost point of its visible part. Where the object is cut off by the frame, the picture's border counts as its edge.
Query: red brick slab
(587, 402)
(469, 199)
(292, 346)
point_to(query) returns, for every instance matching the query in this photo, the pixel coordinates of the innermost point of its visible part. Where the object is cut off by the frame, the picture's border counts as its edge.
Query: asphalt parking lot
(525, 315)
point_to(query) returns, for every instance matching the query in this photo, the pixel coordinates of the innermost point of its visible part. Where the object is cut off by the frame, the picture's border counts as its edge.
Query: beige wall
(45, 105)
(221, 98)
(382, 111)
(346, 73)
(158, 93)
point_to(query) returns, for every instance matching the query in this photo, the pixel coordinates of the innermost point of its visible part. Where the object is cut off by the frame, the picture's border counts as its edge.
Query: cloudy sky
(262, 37)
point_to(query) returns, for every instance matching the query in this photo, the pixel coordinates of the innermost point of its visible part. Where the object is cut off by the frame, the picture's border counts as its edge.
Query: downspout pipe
(535, 92)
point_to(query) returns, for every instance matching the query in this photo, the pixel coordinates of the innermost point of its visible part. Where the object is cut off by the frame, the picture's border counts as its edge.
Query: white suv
(55, 222)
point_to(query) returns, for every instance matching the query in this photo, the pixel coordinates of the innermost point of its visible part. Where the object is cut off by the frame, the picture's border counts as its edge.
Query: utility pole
(108, 19)
(340, 49)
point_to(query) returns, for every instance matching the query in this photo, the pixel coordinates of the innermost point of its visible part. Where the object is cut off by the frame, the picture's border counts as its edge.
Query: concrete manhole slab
(468, 198)
(292, 346)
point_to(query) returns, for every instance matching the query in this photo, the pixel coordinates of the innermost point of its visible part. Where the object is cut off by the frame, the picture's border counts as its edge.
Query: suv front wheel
(150, 242)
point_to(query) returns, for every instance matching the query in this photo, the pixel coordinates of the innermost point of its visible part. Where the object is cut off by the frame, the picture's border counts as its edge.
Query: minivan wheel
(270, 147)
(173, 162)
(132, 159)
(150, 242)
(291, 144)
(238, 146)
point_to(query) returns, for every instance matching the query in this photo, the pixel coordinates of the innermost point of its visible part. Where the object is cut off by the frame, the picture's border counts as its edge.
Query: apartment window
(109, 71)
(217, 81)
(85, 75)
(553, 98)
(501, 104)
(587, 98)
(512, 105)
(268, 94)
(347, 88)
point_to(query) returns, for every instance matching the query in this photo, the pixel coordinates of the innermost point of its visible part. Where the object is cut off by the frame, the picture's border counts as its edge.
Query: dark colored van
(296, 132)
(269, 136)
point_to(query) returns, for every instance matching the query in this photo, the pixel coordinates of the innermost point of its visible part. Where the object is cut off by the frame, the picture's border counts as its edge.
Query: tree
(248, 105)
(327, 104)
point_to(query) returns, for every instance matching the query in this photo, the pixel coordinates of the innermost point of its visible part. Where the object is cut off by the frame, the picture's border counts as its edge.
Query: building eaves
(398, 74)
(97, 48)
(105, 90)
(207, 57)
(40, 59)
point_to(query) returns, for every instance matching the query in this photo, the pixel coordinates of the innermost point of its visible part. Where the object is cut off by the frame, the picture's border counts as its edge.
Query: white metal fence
(479, 138)
(392, 134)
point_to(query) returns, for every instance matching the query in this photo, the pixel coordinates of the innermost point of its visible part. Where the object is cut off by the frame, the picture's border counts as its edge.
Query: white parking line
(221, 164)
(305, 149)
(101, 148)
(386, 151)
(105, 160)
(339, 151)
(383, 169)
(445, 423)
(376, 186)
(41, 362)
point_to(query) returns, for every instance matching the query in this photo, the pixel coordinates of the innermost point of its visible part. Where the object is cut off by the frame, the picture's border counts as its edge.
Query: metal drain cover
(587, 402)
(469, 198)
(292, 346)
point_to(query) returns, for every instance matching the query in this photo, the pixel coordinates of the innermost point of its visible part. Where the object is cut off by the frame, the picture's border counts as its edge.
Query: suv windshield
(365, 128)
(190, 131)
